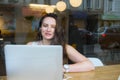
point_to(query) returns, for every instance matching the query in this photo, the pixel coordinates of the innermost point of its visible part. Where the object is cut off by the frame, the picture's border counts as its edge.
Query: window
(110, 5)
(88, 4)
(12, 1)
(97, 4)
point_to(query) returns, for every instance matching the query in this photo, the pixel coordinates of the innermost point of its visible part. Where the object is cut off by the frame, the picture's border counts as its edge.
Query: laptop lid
(33, 62)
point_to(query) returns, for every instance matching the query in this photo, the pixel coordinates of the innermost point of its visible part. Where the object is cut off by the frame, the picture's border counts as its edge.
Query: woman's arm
(81, 63)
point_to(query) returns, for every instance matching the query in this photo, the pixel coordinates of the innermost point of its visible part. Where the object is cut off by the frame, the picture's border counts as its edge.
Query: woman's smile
(48, 34)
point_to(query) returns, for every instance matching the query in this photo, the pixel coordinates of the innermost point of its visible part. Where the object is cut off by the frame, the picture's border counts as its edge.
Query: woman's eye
(44, 25)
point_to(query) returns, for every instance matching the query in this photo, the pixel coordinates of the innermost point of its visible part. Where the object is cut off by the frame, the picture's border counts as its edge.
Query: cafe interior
(91, 26)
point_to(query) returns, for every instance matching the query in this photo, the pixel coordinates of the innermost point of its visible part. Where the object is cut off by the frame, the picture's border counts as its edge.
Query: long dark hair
(59, 35)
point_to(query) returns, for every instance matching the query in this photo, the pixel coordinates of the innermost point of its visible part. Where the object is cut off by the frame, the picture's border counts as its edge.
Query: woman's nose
(48, 28)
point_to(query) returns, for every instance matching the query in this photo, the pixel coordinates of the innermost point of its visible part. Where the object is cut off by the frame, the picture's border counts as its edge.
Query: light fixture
(75, 3)
(49, 9)
(61, 6)
(37, 5)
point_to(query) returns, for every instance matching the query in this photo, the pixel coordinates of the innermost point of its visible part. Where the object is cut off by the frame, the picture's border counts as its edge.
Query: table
(109, 72)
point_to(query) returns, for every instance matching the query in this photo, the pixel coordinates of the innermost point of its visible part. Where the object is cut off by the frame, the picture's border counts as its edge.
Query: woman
(50, 33)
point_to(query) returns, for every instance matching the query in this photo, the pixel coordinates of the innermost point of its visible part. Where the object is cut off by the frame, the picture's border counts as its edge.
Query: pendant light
(61, 5)
(75, 3)
(49, 9)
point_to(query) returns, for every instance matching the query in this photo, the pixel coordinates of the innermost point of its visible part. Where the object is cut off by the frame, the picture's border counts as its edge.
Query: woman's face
(48, 28)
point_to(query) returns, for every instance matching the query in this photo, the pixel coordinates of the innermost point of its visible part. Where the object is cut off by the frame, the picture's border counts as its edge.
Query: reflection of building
(111, 14)
(94, 11)
(98, 13)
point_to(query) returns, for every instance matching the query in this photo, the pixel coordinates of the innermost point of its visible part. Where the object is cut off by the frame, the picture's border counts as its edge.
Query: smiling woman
(50, 33)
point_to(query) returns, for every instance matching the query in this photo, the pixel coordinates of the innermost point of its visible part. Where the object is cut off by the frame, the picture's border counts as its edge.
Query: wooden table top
(110, 72)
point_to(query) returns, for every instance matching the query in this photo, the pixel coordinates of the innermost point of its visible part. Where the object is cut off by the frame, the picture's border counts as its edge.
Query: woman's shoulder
(70, 49)
(68, 46)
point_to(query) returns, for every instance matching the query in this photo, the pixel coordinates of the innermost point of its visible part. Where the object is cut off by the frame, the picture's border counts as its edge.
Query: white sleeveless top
(35, 43)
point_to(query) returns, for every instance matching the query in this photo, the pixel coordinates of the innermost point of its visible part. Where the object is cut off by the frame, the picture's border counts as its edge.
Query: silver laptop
(28, 62)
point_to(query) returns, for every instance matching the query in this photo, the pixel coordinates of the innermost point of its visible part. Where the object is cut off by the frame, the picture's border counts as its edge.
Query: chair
(96, 61)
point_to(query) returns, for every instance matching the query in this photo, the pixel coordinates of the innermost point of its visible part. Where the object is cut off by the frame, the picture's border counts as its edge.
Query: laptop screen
(33, 62)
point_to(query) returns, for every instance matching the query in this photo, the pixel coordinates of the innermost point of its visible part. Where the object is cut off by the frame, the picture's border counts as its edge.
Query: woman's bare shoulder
(71, 50)
(69, 46)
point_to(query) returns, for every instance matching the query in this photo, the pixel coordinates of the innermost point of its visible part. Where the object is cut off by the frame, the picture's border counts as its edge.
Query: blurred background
(91, 26)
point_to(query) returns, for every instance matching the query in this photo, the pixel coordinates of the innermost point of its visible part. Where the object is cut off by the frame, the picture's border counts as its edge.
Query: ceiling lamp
(61, 6)
(75, 3)
(49, 9)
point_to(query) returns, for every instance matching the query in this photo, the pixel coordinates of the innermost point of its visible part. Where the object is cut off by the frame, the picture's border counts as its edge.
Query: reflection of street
(114, 56)
(79, 38)
(108, 56)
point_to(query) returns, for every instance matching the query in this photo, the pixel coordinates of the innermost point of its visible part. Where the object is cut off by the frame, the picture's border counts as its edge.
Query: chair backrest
(96, 61)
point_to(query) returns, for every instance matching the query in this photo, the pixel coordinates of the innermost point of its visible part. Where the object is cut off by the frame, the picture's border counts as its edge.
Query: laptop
(34, 62)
